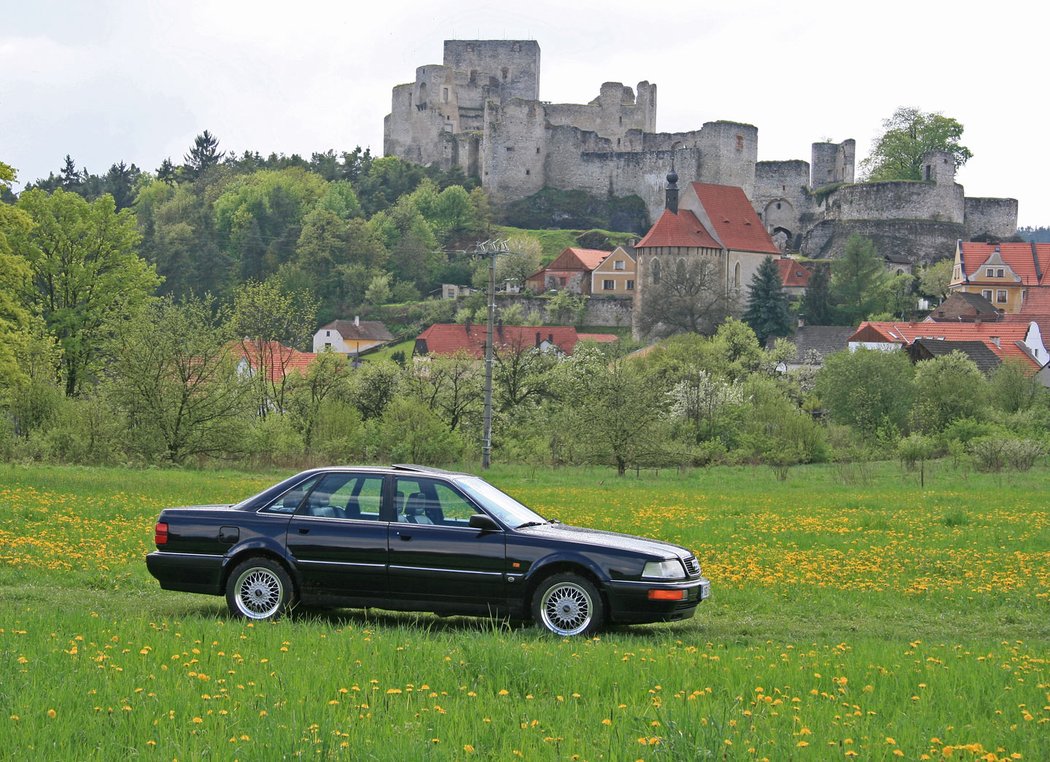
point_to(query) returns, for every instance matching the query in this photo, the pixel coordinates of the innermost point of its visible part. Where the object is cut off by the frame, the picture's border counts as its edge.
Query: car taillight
(160, 534)
(667, 595)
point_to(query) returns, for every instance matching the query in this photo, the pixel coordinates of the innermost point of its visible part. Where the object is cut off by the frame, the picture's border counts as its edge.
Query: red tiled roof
(1021, 257)
(577, 259)
(450, 338)
(734, 220)
(278, 359)
(1002, 338)
(678, 230)
(793, 274)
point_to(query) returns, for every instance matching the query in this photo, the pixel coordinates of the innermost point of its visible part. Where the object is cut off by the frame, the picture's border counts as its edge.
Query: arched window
(736, 275)
(655, 273)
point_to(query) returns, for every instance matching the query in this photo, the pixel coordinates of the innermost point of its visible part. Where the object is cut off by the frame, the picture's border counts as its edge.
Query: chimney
(357, 321)
(672, 190)
(537, 338)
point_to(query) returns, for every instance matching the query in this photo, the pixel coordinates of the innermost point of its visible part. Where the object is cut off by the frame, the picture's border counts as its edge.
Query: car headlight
(669, 569)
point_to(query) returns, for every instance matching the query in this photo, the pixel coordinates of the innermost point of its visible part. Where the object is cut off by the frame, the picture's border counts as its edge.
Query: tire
(259, 589)
(568, 604)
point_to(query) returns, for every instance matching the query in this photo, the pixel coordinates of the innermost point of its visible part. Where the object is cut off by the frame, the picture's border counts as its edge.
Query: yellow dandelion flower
(52, 713)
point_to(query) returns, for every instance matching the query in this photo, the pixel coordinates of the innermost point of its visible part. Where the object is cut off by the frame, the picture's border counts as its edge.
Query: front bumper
(629, 602)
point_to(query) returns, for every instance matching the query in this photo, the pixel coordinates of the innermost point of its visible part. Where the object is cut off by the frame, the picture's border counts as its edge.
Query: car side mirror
(481, 521)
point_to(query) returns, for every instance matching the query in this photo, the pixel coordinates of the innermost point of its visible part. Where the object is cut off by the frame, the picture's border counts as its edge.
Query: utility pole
(491, 249)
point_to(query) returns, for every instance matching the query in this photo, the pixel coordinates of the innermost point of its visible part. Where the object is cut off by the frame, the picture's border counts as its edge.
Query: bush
(993, 454)
(410, 432)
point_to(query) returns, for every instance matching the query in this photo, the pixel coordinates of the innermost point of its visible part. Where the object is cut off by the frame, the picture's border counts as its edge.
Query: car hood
(602, 538)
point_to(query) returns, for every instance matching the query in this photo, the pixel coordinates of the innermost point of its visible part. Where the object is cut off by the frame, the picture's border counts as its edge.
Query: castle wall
(833, 163)
(941, 202)
(729, 153)
(514, 149)
(612, 114)
(991, 217)
(511, 65)
(781, 198)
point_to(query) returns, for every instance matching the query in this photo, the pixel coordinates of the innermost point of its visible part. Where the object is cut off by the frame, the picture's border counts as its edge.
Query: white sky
(136, 80)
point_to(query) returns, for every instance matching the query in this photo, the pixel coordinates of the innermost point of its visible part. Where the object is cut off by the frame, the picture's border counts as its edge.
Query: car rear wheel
(568, 604)
(259, 588)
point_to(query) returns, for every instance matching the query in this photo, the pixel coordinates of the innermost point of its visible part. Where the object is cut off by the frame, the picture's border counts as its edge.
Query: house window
(608, 285)
(999, 273)
(619, 264)
(990, 272)
(987, 294)
(1000, 296)
(630, 285)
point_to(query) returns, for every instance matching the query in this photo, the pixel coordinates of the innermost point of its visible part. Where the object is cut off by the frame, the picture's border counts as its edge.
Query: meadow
(854, 615)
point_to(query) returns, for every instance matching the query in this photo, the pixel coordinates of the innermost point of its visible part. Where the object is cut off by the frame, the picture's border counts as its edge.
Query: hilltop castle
(480, 111)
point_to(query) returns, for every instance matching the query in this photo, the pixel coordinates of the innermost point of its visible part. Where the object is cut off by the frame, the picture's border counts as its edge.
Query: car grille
(692, 566)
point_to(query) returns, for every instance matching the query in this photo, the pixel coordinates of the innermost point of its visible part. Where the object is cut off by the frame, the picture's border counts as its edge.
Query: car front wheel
(259, 589)
(568, 604)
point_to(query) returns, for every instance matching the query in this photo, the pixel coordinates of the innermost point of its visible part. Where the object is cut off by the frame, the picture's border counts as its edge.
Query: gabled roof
(793, 274)
(735, 221)
(822, 339)
(1031, 261)
(278, 359)
(978, 304)
(984, 358)
(450, 338)
(682, 230)
(1005, 339)
(369, 330)
(575, 258)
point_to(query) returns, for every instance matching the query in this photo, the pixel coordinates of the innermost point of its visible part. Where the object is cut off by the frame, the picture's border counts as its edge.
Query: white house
(351, 337)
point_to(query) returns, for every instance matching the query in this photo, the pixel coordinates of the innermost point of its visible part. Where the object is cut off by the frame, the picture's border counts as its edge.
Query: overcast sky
(136, 80)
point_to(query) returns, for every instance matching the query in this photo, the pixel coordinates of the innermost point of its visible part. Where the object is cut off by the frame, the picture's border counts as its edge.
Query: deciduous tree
(87, 276)
(907, 136)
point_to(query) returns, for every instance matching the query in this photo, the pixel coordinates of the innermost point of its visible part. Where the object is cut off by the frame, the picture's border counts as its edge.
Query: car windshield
(501, 505)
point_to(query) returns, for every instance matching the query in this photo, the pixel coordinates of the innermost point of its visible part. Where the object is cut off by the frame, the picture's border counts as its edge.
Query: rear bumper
(629, 602)
(187, 572)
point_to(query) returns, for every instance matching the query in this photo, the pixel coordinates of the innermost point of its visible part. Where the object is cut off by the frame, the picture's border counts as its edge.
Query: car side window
(429, 501)
(345, 496)
(290, 500)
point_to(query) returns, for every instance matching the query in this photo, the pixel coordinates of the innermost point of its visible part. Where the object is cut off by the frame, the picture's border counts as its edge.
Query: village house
(1015, 277)
(452, 338)
(1006, 340)
(570, 271)
(351, 337)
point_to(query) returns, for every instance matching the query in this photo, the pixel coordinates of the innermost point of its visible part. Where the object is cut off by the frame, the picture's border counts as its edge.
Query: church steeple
(672, 190)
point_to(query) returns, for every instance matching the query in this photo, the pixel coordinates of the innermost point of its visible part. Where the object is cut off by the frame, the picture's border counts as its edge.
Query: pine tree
(816, 304)
(767, 305)
(70, 177)
(204, 155)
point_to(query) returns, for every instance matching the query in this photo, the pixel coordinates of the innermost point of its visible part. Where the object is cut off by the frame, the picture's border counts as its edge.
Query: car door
(338, 539)
(434, 553)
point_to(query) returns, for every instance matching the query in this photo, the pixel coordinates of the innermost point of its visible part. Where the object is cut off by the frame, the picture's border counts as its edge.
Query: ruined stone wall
(833, 163)
(781, 198)
(612, 114)
(938, 202)
(607, 311)
(991, 216)
(511, 65)
(513, 150)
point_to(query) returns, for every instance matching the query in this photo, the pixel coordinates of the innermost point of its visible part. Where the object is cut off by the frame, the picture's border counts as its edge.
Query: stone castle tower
(479, 110)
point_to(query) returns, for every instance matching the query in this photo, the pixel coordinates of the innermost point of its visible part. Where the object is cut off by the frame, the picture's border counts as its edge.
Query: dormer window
(618, 264)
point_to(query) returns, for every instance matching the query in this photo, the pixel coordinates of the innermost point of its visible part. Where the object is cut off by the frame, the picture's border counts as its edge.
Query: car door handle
(304, 530)
(404, 537)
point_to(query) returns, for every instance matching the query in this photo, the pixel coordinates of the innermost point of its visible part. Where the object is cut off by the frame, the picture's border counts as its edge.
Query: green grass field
(853, 615)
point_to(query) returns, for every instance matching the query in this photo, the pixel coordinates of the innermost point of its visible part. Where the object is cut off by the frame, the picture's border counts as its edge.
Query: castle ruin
(480, 111)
